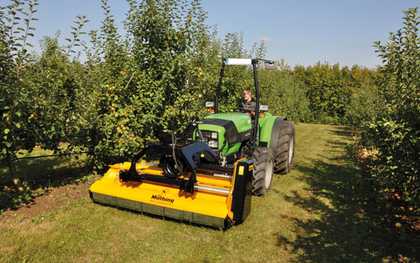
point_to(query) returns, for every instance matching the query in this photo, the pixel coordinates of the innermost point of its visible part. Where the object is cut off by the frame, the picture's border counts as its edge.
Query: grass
(317, 213)
(37, 176)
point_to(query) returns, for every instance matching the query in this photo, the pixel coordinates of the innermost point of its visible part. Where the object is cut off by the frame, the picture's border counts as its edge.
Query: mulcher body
(218, 200)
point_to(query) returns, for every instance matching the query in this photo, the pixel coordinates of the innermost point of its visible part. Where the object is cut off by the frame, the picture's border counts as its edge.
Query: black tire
(263, 171)
(283, 146)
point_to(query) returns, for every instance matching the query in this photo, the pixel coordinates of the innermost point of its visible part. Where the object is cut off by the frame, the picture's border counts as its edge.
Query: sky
(299, 31)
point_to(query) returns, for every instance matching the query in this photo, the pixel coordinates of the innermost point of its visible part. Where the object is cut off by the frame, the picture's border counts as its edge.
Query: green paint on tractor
(243, 123)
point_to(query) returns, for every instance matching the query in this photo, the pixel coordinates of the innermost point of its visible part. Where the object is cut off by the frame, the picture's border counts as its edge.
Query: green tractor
(210, 179)
(253, 133)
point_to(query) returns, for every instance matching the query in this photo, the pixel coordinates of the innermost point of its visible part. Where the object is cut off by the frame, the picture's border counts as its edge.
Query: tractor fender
(267, 128)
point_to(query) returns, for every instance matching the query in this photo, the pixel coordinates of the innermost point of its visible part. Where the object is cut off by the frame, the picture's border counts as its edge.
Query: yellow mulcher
(210, 179)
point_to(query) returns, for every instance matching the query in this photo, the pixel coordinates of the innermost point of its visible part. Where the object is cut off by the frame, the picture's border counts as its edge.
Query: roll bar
(244, 62)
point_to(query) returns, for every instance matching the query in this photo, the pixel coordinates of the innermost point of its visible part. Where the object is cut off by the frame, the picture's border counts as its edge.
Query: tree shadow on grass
(351, 225)
(34, 177)
(342, 131)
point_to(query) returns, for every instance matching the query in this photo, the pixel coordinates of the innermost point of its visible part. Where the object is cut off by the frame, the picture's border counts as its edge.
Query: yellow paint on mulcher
(150, 197)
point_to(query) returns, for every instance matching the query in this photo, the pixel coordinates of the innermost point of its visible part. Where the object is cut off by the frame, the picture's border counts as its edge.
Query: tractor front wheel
(263, 171)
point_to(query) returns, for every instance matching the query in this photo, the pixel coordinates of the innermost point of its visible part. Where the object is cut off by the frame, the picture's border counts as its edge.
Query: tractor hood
(226, 131)
(241, 121)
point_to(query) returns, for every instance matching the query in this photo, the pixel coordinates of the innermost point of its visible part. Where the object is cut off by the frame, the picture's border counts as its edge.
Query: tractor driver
(248, 104)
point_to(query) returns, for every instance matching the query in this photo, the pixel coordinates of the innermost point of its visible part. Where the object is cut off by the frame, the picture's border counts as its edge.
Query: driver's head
(247, 95)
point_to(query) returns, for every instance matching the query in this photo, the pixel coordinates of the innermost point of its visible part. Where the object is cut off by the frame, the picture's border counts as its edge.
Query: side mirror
(263, 108)
(209, 104)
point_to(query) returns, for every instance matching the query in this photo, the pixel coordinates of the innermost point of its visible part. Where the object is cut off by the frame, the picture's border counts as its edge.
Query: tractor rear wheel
(263, 171)
(283, 146)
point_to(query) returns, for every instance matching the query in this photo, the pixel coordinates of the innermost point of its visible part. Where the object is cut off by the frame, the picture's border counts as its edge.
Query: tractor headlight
(213, 144)
(211, 138)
